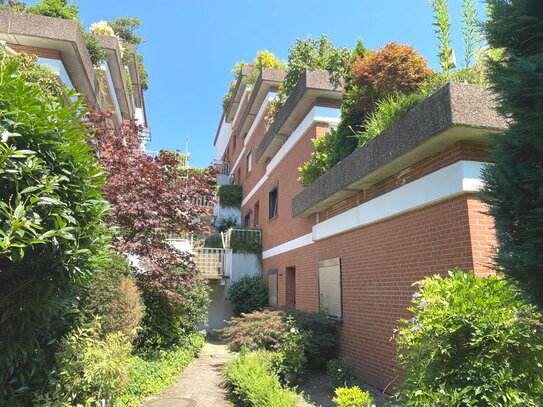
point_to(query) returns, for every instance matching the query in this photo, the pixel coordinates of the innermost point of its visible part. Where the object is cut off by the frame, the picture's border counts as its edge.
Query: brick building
(402, 207)
(59, 43)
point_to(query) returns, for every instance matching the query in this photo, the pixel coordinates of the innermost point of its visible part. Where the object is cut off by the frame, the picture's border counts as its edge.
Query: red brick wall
(458, 151)
(40, 52)
(380, 262)
(284, 228)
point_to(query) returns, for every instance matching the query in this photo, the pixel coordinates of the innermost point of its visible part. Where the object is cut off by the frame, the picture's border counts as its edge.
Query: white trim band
(288, 246)
(455, 179)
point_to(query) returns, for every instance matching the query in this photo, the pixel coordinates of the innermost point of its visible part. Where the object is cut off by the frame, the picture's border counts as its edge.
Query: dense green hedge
(51, 232)
(229, 196)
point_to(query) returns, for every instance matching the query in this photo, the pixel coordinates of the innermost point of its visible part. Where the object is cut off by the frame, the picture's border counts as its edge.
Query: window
(272, 288)
(249, 162)
(290, 287)
(234, 142)
(247, 219)
(256, 217)
(239, 177)
(274, 202)
(330, 286)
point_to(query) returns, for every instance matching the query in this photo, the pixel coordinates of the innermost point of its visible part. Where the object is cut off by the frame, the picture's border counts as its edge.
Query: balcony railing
(240, 235)
(211, 262)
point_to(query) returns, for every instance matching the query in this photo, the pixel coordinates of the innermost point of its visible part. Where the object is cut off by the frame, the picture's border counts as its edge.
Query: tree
(151, 200)
(52, 233)
(124, 28)
(514, 183)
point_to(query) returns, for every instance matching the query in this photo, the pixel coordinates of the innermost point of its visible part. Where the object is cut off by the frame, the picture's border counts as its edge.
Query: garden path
(201, 384)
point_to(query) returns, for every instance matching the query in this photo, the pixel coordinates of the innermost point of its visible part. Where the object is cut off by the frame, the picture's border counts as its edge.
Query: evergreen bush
(248, 294)
(514, 184)
(341, 372)
(52, 234)
(471, 342)
(113, 297)
(352, 397)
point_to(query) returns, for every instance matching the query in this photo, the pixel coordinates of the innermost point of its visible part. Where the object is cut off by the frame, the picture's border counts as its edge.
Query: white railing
(210, 261)
(241, 234)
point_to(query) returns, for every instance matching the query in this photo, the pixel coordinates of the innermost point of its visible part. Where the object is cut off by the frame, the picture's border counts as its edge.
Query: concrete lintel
(313, 84)
(237, 93)
(267, 79)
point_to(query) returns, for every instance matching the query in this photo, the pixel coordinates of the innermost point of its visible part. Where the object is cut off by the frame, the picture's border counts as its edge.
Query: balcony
(212, 262)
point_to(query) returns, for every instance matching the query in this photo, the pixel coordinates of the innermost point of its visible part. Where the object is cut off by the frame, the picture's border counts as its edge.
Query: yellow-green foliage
(352, 397)
(265, 59)
(90, 369)
(254, 384)
(154, 370)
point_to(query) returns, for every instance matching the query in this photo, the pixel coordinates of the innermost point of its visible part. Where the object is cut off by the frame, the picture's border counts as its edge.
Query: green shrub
(352, 397)
(392, 108)
(289, 361)
(311, 54)
(89, 369)
(167, 325)
(323, 342)
(114, 298)
(253, 384)
(341, 372)
(55, 8)
(51, 229)
(154, 370)
(257, 330)
(472, 342)
(229, 196)
(97, 53)
(248, 294)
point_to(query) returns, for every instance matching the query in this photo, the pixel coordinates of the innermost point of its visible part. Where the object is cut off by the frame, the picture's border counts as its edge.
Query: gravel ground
(317, 391)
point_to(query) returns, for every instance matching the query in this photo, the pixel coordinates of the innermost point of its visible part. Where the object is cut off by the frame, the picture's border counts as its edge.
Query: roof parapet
(456, 112)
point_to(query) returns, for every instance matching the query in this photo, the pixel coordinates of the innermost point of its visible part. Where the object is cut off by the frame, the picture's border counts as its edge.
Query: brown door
(290, 287)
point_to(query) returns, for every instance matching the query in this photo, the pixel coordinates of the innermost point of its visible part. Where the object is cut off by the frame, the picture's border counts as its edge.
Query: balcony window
(274, 202)
(249, 164)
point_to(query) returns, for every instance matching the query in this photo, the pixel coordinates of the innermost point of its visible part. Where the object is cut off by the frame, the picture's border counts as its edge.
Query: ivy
(229, 196)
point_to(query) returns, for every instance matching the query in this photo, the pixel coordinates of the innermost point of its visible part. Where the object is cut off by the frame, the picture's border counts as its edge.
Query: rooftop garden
(381, 86)
(124, 28)
(263, 59)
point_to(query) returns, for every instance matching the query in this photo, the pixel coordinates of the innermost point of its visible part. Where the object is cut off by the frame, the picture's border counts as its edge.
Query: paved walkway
(201, 384)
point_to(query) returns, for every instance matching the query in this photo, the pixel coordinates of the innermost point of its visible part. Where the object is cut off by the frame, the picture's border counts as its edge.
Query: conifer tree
(514, 184)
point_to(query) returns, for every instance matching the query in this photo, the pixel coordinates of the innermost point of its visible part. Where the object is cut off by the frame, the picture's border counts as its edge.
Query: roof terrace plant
(311, 54)
(263, 59)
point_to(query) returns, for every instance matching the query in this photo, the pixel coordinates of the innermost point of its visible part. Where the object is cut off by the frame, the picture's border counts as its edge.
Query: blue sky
(192, 46)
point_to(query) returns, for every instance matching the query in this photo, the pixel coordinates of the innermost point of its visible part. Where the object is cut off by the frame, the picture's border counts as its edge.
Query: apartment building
(59, 44)
(402, 207)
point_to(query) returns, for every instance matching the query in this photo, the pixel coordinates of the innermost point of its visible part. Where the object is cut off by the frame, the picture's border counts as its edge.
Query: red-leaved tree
(152, 199)
(392, 69)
